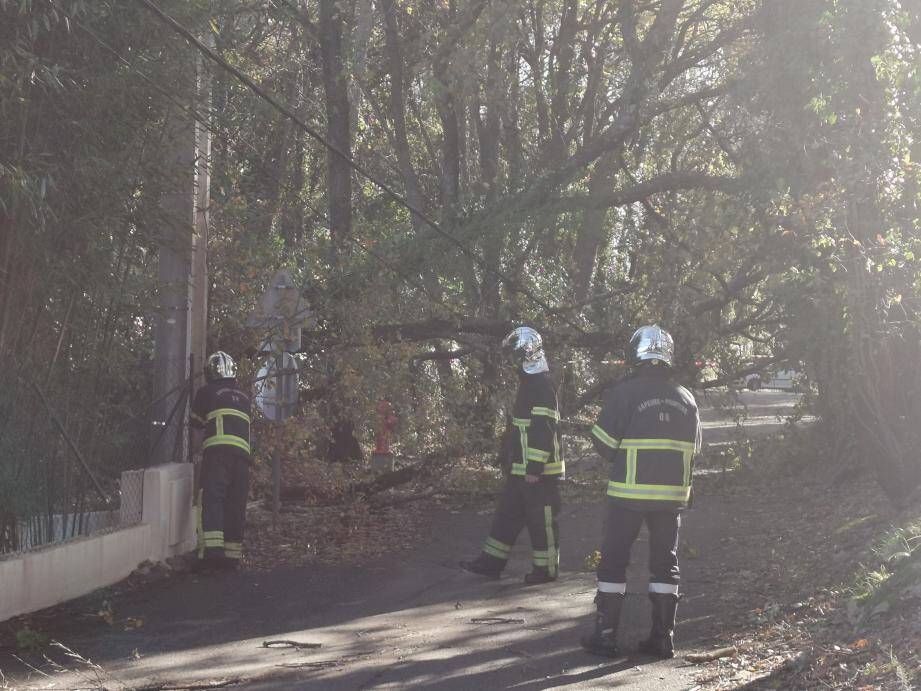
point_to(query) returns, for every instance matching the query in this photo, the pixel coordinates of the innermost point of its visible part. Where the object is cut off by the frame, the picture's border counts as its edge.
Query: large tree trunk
(884, 386)
(343, 446)
(397, 108)
(292, 217)
(487, 127)
(335, 84)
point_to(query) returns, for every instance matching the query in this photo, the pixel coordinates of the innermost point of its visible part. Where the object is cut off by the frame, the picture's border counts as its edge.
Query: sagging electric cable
(195, 115)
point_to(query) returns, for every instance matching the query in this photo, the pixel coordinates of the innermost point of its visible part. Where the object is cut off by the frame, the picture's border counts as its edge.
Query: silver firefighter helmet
(220, 366)
(652, 344)
(524, 347)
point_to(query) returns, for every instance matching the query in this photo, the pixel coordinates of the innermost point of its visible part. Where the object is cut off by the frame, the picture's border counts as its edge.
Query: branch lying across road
(729, 651)
(425, 464)
(440, 328)
(496, 329)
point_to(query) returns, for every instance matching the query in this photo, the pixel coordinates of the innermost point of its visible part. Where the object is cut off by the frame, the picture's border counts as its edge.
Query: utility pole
(181, 326)
(171, 344)
(198, 287)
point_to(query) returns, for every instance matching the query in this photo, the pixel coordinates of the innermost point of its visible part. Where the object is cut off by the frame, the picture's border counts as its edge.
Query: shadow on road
(409, 620)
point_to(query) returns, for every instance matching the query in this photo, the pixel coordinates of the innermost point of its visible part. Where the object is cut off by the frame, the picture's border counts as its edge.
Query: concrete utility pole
(171, 346)
(198, 297)
(181, 328)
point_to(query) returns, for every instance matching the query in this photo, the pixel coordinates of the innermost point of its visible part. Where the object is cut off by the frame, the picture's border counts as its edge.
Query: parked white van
(785, 379)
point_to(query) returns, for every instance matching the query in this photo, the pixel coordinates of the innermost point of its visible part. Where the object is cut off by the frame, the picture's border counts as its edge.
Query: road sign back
(281, 314)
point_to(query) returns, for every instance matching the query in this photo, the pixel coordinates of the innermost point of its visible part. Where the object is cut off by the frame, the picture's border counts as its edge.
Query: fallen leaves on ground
(784, 571)
(352, 532)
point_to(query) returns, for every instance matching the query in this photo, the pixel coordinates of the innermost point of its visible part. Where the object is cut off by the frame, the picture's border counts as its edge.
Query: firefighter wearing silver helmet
(222, 409)
(220, 366)
(534, 465)
(652, 344)
(525, 347)
(649, 429)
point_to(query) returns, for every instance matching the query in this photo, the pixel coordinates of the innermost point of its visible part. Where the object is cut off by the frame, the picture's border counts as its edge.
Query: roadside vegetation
(745, 173)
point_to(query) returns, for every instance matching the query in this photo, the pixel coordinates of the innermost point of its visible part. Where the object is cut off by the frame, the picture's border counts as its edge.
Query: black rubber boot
(539, 575)
(661, 640)
(603, 639)
(484, 565)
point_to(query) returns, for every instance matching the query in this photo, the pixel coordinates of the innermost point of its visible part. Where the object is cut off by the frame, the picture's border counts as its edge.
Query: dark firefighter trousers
(622, 526)
(535, 506)
(224, 488)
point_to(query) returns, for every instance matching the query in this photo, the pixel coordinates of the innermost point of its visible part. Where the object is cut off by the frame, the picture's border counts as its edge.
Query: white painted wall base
(46, 577)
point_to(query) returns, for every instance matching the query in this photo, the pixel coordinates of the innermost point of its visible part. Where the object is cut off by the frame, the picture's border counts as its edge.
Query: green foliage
(896, 574)
(29, 639)
(744, 173)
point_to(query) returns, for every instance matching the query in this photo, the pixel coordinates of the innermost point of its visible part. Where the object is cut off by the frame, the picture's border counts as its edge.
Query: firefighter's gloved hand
(531, 479)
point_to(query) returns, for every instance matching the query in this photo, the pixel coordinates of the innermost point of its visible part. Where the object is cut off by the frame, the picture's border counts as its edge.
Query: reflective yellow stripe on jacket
(557, 467)
(630, 489)
(520, 467)
(220, 437)
(553, 462)
(605, 438)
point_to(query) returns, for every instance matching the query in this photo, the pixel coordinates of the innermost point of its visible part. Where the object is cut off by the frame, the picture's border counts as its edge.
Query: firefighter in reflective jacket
(649, 428)
(531, 496)
(222, 409)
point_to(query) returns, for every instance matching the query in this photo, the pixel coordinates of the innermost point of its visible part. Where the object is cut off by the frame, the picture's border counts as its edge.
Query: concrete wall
(49, 576)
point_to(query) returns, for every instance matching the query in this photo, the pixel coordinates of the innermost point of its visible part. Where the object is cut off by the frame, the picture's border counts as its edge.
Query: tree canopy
(743, 172)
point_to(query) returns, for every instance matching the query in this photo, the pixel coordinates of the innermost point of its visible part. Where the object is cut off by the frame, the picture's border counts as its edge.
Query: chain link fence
(37, 532)
(65, 466)
(131, 498)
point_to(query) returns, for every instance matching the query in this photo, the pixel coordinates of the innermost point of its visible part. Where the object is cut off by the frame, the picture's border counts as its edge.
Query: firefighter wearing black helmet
(222, 410)
(531, 496)
(649, 428)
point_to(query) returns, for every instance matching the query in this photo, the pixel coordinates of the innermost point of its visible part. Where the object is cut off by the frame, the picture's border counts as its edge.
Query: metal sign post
(276, 397)
(279, 317)
(279, 438)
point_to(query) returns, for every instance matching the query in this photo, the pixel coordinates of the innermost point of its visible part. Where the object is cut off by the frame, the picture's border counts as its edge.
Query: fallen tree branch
(325, 664)
(493, 621)
(290, 644)
(403, 475)
(441, 328)
(382, 482)
(709, 656)
(201, 686)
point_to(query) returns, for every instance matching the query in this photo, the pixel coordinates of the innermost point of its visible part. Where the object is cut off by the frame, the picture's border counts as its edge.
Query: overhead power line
(282, 108)
(231, 141)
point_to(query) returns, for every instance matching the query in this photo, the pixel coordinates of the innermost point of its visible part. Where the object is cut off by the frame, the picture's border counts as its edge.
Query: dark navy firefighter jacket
(223, 410)
(649, 428)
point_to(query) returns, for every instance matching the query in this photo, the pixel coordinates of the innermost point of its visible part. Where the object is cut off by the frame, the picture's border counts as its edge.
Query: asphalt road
(761, 412)
(412, 620)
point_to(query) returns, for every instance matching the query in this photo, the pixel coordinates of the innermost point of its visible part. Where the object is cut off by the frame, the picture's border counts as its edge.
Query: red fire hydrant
(382, 457)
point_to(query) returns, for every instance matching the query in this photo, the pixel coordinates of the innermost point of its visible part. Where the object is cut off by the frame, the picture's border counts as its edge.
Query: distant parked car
(785, 379)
